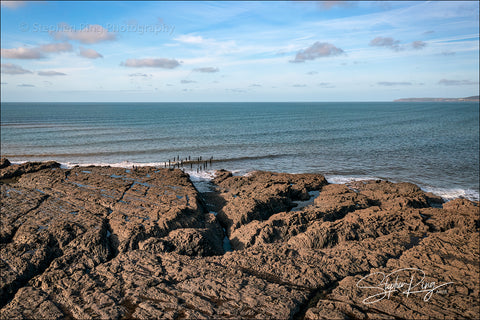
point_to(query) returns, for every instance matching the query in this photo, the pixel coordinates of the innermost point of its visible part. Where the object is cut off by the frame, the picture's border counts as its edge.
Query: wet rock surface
(102, 242)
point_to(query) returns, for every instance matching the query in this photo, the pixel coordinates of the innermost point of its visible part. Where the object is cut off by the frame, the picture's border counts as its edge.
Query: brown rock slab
(260, 194)
(101, 242)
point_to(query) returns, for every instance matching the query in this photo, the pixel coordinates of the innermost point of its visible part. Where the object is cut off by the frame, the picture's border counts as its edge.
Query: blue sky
(238, 51)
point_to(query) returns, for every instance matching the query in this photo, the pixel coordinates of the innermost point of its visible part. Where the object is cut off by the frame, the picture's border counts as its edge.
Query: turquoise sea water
(435, 145)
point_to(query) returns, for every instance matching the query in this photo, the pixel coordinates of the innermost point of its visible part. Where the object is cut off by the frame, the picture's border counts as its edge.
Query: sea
(432, 144)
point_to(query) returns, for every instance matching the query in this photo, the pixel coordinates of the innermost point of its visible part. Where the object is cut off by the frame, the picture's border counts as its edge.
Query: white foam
(347, 179)
(202, 180)
(450, 194)
(123, 164)
(446, 193)
(206, 175)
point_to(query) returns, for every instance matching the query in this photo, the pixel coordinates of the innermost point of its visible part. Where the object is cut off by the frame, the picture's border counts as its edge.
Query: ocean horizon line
(272, 101)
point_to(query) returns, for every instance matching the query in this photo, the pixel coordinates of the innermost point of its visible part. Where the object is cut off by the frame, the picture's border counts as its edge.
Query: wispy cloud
(51, 73)
(317, 50)
(447, 82)
(206, 70)
(236, 90)
(327, 5)
(326, 85)
(12, 4)
(391, 43)
(220, 47)
(418, 45)
(299, 86)
(311, 73)
(89, 53)
(448, 53)
(191, 39)
(35, 52)
(138, 74)
(387, 42)
(26, 85)
(187, 81)
(22, 53)
(391, 84)
(93, 33)
(10, 68)
(56, 47)
(255, 85)
(152, 63)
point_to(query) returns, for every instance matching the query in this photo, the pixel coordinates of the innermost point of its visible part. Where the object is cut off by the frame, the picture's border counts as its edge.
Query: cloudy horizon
(238, 51)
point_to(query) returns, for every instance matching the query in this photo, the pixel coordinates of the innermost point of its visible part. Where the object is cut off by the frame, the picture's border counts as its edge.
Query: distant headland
(472, 98)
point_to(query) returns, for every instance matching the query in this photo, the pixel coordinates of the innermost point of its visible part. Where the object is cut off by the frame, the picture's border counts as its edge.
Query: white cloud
(327, 85)
(12, 4)
(187, 81)
(327, 5)
(89, 53)
(191, 39)
(448, 82)
(22, 53)
(10, 68)
(418, 45)
(56, 47)
(138, 74)
(206, 70)
(93, 33)
(35, 52)
(448, 53)
(220, 47)
(153, 63)
(386, 42)
(317, 50)
(51, 73)
(391, 84)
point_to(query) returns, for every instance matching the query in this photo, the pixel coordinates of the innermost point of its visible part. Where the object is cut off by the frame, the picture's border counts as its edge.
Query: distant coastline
(469, 99)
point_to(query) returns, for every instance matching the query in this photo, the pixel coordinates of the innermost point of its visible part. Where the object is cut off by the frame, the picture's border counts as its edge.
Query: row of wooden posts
(199, 162)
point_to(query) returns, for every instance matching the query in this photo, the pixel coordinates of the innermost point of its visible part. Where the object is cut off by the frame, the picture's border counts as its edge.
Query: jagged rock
(187, 241)
(448, 261)
(8, 171)
(101, 242)
(262, 194)
(4, 163)
(221, 175)
(392, 196)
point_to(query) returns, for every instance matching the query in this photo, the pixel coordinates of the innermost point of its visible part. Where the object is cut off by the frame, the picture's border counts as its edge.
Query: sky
(173, 51)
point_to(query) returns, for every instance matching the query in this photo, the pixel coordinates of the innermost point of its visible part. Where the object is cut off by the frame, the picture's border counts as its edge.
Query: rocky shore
(114, 243)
